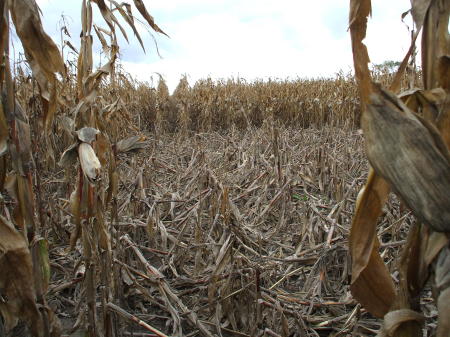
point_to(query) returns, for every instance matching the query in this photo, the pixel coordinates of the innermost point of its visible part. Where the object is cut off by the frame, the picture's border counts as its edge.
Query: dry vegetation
(224, 209)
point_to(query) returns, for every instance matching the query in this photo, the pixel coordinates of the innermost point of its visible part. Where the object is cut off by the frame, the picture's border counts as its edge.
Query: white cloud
(256, 38)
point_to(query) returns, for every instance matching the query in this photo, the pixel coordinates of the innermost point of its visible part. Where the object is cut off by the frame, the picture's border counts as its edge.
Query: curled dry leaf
(141, 8)
(87, 134)
(394, 319)
(410, 154)
(16, 279)
(128, 17)
(419, 10)
(429, 102)
(36, 42)
(102, 39)
(371, 282)
(22, 139)
(89, 161)
(132, 143)
(109, 17)
(69, 156)
(359, 11)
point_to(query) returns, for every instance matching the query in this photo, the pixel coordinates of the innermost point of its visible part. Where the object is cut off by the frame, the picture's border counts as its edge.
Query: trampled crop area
(301, 207)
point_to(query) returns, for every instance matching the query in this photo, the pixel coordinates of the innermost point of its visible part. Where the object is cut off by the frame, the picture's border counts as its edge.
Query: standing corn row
(24, 257)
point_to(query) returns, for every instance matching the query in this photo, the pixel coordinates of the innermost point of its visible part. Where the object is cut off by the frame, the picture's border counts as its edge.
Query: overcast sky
(246, 38)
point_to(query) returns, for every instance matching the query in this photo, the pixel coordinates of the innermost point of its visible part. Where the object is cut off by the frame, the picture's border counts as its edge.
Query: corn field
(228, 208)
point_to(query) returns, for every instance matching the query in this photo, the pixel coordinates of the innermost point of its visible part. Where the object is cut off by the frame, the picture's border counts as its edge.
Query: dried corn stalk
(24, 254)
(409, 153)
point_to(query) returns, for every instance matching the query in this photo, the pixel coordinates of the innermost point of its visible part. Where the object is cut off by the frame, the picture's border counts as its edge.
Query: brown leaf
(109, 17)
(419, 10)
(87, 134)
(26, 200)
(22, 142)
(371, 282)
(69, 156)
(410, 154)
(16, 279)
(443, 120)
(359, 11)
(85, 61)
(132, 143)
(141, 8)
(102, 39)
(4, 28)
(35, 41)
(394, 319)
(4, 133)
(129, 19)
(434, 39)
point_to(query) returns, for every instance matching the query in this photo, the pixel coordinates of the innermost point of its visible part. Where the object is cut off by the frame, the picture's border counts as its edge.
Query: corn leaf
(16, 279)
(410, 154)
(141, 8)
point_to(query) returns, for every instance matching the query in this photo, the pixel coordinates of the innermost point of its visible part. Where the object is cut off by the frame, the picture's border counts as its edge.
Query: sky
(250, 39)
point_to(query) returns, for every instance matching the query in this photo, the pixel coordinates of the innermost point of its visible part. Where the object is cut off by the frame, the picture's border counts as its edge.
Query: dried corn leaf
(16, 280)
(131, 144)
(113, 176)
(101, 228)
(44, 262)
(434, 39)
(359, 11)
(102, 147)
(371, 282)
(71, 46)
(411, 155)
(141, 8)
(221, 262)
(79, 207)
(429, 102)
(25, 15)
(435, 243)
(4, 133)
(89, 161)
(129, 19)
(47, 87)
(443, 121)
(443, 304)
(50, 106)
(85, 61)
(105, 46)
(109, 17)
(26, 200)
(22, 152)
(69, 156)
(413, 268)
(419, 11)
(395, 319)
(87, 134)
(92, 82)
(4, 28)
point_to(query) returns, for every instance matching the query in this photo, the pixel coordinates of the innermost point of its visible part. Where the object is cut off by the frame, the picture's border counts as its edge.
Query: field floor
(236, 234)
